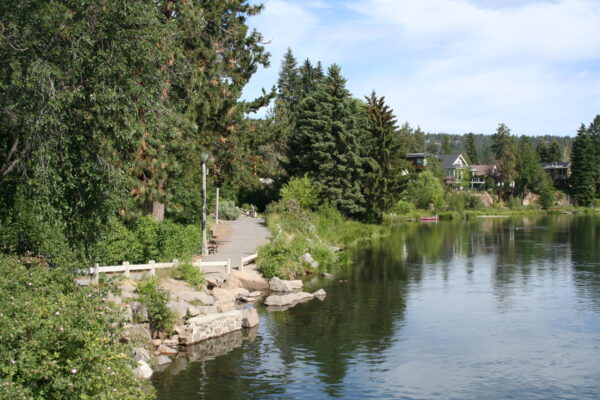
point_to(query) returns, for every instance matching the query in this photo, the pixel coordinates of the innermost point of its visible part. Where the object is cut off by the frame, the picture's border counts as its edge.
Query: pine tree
(504, 150)
(446, 148)
(385, 153)
(594, 133)
(543, 151)
(326, 144)
(530, 172)
(471, 149)
(288, 83)
(555, 152)
(583, 177)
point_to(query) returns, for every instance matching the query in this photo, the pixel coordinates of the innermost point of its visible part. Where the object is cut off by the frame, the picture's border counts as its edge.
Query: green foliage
(403, 207)
(546, 191)
(178, 241)
(461, 201)
(118, 244)
(471, 149)
(385, 152)
(302, 190)
(229, 211)
(155, 299)
(190, 273)
(326, 143)
(425, 190)
(59, 341)
(278, 258)
(583, 178)
(505, 152)
(146, 231)
(530, 171)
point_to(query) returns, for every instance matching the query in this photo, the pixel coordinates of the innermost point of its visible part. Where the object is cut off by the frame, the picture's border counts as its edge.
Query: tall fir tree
(504, 149)
(471, 149)
(385, 158)
(583, 177)
(543, 151)
(446, 147)
(326, 144)
(594, 133)
(288, 83)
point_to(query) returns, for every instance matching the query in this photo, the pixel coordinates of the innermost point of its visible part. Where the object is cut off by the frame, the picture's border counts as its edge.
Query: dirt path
(237, 239)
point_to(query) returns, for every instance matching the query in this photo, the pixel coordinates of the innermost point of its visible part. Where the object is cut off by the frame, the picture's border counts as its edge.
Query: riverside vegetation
(107, 108)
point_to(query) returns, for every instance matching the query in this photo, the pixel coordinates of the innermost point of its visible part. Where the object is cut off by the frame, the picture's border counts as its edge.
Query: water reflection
(494, 308)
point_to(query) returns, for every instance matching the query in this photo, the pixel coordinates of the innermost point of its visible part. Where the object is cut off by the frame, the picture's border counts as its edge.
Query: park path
(236, 239)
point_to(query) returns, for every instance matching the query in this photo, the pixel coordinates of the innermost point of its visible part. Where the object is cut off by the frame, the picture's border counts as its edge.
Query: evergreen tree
(446, 148)
(583, 177)
(543, 151)
(504, 150)
(386, 157)
(530, 171)
(594, 133)
(471, 149)
(555, 152)
(309, 78)
(326, 143)
(288, 84)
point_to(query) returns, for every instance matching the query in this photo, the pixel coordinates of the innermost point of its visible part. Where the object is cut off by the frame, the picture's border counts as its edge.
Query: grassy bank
(323, 233)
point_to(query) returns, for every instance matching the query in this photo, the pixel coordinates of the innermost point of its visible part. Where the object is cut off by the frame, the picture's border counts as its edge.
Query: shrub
(191, 274)
(403, 207)
(146, 231)
(155, 299)
(323, 255)
(301, 190)
(59, 341)
(228, 211)
(280, 258)
(117, 244)
(425, 190)
(178, 241)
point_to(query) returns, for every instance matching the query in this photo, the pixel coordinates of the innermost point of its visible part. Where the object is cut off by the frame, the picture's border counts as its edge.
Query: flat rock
(143, 370)
(252, 280)
(163, 360)
(320, 293)
(287, 299)
(214, 325)
(327, 275)
(225, 306)
(164, 349)
(280, 285)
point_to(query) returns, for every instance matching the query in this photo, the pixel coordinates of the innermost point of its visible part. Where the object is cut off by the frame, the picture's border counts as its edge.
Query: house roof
(556, 165)
(417, 155)
(448, 160)
(483, 169)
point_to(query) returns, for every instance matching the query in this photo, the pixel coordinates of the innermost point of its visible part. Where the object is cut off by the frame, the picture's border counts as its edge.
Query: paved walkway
(236, 239)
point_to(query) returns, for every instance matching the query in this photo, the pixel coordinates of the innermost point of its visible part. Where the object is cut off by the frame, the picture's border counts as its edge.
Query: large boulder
(252, 280)
(141, 354)
(308, 259)
(164, 349)
(250, 317)
(136, 333)
(280, 285)
(214, 325)
(201, 310)
(225, 306)
(287, 299)
(178, 307)
(221, 295)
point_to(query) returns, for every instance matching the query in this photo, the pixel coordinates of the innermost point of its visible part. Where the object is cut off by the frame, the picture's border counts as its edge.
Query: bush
(155, 299)
(117, 244)
(146, 231)
(59, 341)
(279, 258)
(403, 207)
(425, 190)
(191, 274)
(301, 190)
(460, 201)
(228, 211)
(178, 241)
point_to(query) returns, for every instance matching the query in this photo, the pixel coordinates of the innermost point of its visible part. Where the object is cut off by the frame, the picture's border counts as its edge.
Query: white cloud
(454, 65)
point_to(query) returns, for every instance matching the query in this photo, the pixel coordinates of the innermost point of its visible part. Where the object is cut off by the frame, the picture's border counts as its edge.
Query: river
(487, 309)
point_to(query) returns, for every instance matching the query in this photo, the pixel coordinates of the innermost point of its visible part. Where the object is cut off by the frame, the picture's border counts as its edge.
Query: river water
(489, 309)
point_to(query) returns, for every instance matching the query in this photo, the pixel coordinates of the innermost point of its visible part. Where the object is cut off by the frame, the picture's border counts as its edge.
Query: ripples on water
(491, 309)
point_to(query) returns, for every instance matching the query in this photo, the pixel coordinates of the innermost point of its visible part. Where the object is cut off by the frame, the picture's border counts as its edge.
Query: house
(455, 168)
(419, 160)
(558, 171)
(482, 172)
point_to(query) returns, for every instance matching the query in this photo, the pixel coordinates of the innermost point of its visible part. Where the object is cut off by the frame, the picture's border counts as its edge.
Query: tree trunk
(156, 209)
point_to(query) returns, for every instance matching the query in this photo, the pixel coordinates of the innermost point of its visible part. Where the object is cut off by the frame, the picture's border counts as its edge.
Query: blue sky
(451, 65)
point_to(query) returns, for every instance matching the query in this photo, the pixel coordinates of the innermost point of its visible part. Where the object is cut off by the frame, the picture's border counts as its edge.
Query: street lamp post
(204, 158)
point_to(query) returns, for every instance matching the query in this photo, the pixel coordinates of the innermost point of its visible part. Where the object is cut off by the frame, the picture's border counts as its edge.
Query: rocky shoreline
(223, 306)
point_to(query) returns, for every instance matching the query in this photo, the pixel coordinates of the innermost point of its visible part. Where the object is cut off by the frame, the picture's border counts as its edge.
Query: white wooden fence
(152, 266)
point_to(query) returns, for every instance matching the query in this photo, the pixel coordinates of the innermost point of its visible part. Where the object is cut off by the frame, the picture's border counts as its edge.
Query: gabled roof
(448, 160)
(484, 169)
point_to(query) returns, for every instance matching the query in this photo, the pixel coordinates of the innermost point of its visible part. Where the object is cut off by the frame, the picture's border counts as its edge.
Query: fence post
(242, 264)
(152, 268)
(126, 264)
(228, 266)
(96, 274)
(175, 262)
